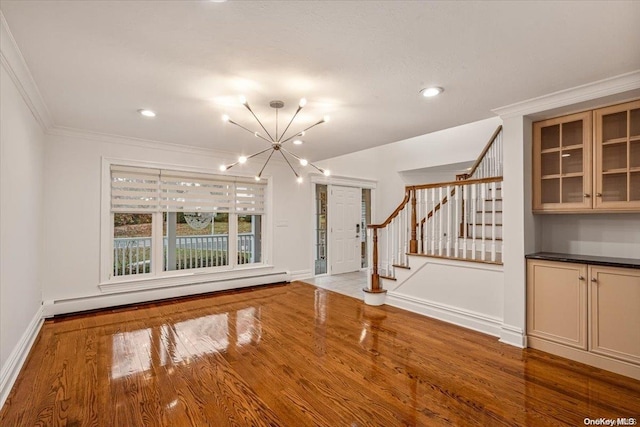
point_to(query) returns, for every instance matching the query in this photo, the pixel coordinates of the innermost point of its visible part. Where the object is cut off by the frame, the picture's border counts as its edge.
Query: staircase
(459, 220)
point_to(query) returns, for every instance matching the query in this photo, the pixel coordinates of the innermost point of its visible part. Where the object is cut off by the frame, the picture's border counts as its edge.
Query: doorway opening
(341, 217)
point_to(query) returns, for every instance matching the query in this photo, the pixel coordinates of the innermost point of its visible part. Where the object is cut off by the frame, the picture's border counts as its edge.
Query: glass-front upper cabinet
(562, 172)
(617, 166)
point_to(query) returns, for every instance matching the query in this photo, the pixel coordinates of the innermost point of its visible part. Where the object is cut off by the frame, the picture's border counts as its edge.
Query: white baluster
(456, 223)
(474, 214)
(484, 221)
(493, 220)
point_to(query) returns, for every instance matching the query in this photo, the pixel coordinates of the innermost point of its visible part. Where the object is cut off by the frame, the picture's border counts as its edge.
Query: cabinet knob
(587, 195)
(598, 194)
(580, 277)
(594, 280)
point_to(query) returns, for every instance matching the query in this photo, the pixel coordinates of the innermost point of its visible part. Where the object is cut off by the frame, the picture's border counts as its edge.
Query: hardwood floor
(297, 355)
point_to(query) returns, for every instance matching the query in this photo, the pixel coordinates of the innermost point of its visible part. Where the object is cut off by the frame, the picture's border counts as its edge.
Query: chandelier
(276, 141)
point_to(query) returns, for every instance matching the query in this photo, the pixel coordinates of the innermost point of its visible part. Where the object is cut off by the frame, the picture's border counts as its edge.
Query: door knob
(598, 194)
(594, 280)
(580, 277)
(587, 195)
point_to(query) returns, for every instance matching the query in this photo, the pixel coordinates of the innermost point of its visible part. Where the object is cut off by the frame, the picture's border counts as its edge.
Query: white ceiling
(362, 62)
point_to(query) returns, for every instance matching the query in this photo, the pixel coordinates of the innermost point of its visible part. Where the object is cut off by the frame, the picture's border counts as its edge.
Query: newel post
(413, 243)
(375, 276)
(374, 294)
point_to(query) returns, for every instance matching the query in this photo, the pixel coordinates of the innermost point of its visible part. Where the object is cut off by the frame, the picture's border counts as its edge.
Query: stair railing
(457, 219)
(489, 162)
(461, 219)
(394, 238)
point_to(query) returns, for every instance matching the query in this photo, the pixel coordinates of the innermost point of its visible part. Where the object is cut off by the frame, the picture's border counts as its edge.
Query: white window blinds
(159, 190)
(134, 189)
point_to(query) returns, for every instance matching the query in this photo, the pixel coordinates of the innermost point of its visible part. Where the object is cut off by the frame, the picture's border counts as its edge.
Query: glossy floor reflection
(350, 284)
(296, 355)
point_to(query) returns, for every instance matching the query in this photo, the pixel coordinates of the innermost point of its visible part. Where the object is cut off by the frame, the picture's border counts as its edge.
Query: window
(166, 220)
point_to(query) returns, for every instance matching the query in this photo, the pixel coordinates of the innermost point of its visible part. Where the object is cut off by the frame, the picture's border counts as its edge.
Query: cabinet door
(617, 165)
(614, 296)
(562, 163)
(557, 302)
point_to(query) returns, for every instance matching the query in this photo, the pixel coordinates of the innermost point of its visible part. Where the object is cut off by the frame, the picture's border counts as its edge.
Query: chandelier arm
(231, 165)
(290, 121)
(259, 122)
(265, 163)
(289, 163)
(250, 131)
(259, 152)
(319, 169)
(298, 133)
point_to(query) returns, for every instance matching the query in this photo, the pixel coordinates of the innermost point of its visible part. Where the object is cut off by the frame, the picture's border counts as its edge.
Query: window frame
(157, 276)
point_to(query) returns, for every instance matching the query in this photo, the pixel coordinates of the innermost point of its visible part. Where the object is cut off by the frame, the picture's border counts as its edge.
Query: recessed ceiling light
(147, 113)
(431, 91)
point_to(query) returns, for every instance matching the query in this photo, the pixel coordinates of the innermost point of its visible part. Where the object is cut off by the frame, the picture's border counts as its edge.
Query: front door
(344, 221)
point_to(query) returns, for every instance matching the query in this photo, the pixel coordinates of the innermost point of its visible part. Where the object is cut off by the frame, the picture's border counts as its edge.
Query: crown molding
(587, 92)
(67, 132)
(16, 67)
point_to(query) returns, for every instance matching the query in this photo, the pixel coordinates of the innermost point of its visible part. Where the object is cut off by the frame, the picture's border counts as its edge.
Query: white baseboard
(18, 356)
(458, 316)
(73, 305)
(513, 335)
(300, 275)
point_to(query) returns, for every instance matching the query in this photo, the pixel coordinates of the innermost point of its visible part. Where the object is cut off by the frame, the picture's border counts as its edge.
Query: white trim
(16, 67)
(107, 138)
(172, 289)
(18, 356)
(458, 316)
(513, 335)
(344, 181)
(458, 263)
(587, 92)
(300, 274)
(160, 278)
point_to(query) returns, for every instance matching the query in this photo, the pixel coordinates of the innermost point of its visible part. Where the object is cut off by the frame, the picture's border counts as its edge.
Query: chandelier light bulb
(302, 102)
(304, 162)
(242, 160)
(326, 119)
(256, 134)
(243, 100)
(299, 179)
(222, 168)
(297, 142)
(257, 178)
(326, 172)
(302, 133)
(225, 118)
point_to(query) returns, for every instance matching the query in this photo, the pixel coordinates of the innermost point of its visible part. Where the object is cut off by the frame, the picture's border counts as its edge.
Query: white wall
(611, 235)
(464, 293)
(21, 219)
(73, 195)
(384, 163)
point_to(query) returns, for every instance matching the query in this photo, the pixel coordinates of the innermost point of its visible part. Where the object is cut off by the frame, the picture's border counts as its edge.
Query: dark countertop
(586, 259)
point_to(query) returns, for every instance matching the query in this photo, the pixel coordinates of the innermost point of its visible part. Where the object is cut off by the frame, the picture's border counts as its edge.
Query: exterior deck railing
(132, 255)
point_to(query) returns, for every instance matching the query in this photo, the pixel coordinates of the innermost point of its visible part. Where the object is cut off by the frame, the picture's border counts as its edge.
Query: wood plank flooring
(297, 355)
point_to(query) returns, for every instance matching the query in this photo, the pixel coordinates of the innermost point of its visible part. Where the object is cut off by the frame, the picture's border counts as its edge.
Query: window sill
(190, 278)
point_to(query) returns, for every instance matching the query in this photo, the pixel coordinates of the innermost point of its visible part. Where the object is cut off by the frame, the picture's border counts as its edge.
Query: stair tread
(402, 266)
(458, 259)
(387, 277)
